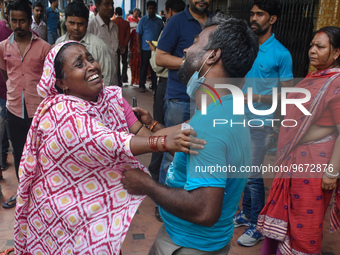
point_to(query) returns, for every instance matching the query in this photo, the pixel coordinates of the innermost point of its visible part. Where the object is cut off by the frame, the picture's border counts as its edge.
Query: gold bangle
(153, 125)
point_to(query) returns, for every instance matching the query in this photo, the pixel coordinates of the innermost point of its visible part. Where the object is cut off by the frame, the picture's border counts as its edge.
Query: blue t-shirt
(226, 146)
(178, 35)
(52, 19)
(149, 29)
(272, 65)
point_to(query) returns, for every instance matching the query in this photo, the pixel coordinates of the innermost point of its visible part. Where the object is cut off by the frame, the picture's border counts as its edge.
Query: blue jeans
(175, 112)
(3, 116)
(254, 193)
(52, 37)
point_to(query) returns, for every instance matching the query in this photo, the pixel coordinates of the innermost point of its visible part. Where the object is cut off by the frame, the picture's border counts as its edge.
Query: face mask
(195, 82)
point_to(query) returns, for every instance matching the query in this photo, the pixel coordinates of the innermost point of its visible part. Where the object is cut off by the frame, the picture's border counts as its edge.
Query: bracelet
(139, 129)
(153, 125)
(152, 143)
(259, 99)
(331, 176)
(163, 143)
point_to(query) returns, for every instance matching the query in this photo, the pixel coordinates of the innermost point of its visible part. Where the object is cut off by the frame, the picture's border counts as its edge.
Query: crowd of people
(75, 137)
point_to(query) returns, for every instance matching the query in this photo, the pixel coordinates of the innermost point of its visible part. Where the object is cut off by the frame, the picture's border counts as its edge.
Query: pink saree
(296, 206)
(70, 199)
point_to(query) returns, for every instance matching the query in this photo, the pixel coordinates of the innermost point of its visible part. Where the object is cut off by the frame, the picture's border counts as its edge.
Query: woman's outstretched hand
(184, 141)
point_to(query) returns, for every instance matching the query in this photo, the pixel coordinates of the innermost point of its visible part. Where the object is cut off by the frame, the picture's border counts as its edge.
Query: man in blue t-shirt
(148, 29)
(53, 17)
(202, 190)
(178, 35)
(272, 69)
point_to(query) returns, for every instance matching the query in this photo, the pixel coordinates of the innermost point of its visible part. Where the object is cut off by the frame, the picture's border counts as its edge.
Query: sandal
(7, 252)
(10, 203)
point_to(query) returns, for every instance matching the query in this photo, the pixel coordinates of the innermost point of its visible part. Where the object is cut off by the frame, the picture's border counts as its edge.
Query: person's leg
(143, 70)
(175, 112)
(2, 125)
(260, 140)
(18, 128)
(50, 37)
(190, 251)
(118, 69)
(163, 244)
(125, 65)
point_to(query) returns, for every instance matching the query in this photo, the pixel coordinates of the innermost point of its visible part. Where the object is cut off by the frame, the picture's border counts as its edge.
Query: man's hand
(152, 48)
(136, 182)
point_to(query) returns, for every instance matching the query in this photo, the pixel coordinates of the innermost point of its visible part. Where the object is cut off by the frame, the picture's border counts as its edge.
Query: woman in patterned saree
(292, 220)
(70, 199)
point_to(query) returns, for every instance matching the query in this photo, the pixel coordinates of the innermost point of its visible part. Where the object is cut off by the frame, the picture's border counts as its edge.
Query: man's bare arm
(166, 60)
(202, 206)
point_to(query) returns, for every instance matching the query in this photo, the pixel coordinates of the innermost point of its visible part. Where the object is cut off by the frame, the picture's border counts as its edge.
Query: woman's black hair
(333, 34)
(59, 62)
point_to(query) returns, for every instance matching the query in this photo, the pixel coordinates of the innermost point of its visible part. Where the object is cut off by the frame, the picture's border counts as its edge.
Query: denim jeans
(254, 193)
(51, 37)
(175, 112)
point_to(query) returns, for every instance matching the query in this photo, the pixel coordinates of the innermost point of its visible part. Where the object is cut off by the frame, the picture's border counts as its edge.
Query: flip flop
(7, 252)
(10, 203)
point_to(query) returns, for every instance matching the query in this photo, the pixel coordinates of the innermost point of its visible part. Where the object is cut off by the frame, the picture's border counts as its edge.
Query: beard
(190, 65)
(260, 30)
(198, 10)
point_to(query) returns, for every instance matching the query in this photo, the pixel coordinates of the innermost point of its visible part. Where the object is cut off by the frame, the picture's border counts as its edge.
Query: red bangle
(152, 143)
(163, 143)
(153, 125)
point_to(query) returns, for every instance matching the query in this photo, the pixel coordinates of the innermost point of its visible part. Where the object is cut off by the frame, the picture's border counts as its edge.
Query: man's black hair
(238, 43)
(38, 4)
(273, 7)
(136, 9)
(333, 34)
(51, 1)
(20, 6)
(175, 5)
(119, 11)
(77, 9)
(149, 3)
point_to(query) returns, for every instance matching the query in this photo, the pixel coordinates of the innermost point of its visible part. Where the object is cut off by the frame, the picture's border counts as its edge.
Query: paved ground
(144, 226)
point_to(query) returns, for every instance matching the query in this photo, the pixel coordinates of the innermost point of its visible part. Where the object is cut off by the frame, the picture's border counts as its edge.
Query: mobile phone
(134, 104)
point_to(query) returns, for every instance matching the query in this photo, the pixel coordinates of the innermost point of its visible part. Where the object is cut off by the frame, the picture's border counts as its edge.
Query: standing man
(102, 26)
(124, 38)
(197, 207)
(272, 68)
(148, 29)
(38, 25)
(76, 20)
(178, 34)
(53, 16)
(22, 57)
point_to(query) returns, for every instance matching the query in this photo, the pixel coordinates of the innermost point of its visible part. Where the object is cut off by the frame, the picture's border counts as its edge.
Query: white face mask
(195, 82)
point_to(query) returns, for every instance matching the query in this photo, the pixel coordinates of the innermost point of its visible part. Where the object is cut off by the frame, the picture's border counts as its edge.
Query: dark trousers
(158, 114)
(18, 129)
(122, 74)
(146, 55)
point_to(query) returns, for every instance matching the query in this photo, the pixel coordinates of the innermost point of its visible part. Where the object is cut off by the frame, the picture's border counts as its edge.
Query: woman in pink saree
(292, 220)
(70, 199)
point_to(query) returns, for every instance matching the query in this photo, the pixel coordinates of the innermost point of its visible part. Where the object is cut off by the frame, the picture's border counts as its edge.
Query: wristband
(331, 176)
(153, 125)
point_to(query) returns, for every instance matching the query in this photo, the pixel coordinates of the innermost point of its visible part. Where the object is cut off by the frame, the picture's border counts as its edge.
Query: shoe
(158, 215)
(142, 90)
(10, 203)
(250, 237)
(241, 220)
